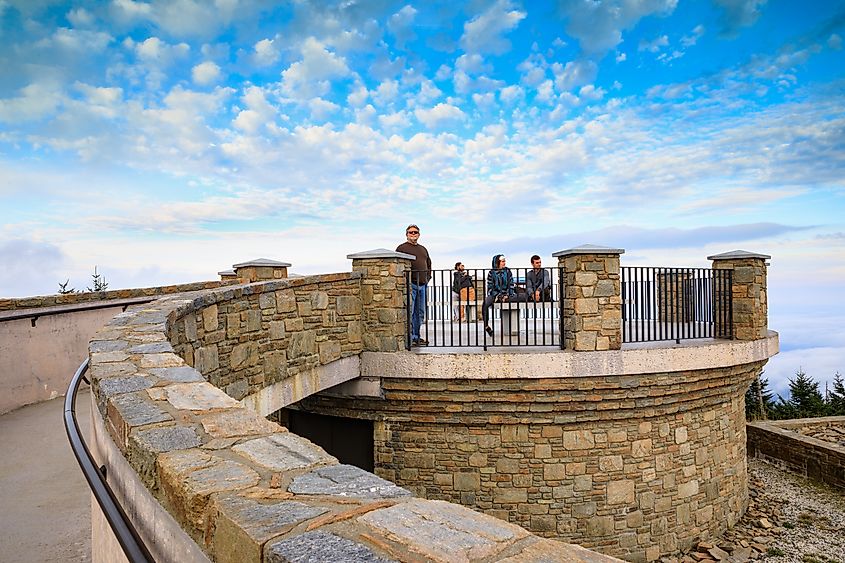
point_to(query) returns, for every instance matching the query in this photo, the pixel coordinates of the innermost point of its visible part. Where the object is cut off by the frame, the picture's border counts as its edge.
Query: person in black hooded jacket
(500, 288)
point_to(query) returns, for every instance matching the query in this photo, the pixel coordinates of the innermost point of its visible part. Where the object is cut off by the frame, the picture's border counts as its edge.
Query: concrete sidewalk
(45, 503)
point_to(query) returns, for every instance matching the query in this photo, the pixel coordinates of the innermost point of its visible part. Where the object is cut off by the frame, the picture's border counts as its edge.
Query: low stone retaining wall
(242, 487)
(784, 443)
(16, 304)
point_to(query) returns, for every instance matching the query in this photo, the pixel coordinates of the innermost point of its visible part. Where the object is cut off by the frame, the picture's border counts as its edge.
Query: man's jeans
(417, 310)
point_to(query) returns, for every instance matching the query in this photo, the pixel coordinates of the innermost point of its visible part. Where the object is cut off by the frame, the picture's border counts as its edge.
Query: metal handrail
(131, 543)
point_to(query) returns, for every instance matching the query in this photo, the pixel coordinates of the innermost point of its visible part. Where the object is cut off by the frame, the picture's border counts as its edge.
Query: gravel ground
(811, 520)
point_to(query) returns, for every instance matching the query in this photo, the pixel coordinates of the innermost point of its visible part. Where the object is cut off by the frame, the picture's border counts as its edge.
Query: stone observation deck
(635, 451)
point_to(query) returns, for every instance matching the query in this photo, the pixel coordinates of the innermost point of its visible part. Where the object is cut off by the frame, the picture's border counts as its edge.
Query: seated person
(463, 286)
(500, 289)
(538, 282)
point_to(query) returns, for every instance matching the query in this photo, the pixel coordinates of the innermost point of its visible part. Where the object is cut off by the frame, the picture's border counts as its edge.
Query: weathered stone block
(467, 481)
(188, 479)
(243, 525)
(302, 344)
(348, 305)
(600, 526)
(345, 481)
(329, 351)
(578, 439)
(277, 330)
(206, 359)
(237, 422)
(243, 355)
(554, 471)
(620, 492)
(441, 531)
(283, 452)
(209, 318)
(285, 301)
(320, 546)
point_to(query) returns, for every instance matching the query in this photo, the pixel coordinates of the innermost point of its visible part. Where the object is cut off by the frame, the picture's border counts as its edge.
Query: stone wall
(784, 443)
(22, 303)
(750, 305)
(635, 467)
(241, 487)
(592, 302)
(245, 339)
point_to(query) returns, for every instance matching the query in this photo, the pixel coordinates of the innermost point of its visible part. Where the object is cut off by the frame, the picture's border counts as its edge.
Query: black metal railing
(131, 543)
(456, 319)
(676, 303)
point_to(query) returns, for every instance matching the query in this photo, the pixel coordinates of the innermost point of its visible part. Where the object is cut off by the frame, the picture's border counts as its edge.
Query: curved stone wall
(239, 486)
(596, 448)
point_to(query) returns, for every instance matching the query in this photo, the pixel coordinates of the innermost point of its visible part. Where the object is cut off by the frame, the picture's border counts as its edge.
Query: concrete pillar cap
(588, 249)
(738, 254)
(226, 273)
(379, 253)
(261, 262)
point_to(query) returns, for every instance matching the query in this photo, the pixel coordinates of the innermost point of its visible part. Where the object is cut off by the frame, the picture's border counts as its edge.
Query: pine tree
(63, 289)
(805, 399)
(836, 397)
(759, 404)
(100, 283)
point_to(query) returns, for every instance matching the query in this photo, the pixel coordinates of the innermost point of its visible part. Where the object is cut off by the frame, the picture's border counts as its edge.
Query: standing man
(420, 274)
(538, 282)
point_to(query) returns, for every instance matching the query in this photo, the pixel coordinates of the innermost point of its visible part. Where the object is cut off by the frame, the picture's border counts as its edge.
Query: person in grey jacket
(538, 282)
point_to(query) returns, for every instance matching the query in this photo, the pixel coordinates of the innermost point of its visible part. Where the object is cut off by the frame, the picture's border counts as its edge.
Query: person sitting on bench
(538, 282)
(500, 289)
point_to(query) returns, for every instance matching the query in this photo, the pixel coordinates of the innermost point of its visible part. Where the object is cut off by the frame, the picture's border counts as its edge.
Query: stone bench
(510, 311)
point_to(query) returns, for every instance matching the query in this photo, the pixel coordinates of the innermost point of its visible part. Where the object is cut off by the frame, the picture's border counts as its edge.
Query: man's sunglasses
(413, 232)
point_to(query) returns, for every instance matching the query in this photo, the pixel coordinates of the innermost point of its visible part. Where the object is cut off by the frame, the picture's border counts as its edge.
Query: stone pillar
(750, 307)
(261, 269)
(383, 297)
(226, 275)
(592, 299)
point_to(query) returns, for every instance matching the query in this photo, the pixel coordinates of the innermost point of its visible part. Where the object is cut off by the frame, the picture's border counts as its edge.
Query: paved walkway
(45, 510)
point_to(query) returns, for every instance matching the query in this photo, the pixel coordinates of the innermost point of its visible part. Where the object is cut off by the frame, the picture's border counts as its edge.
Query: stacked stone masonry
(247, 338)
(749, 292)
(592, 302)
(383, 291)
(812, 447)
(636, 467)
(241, 487)
(16, 304)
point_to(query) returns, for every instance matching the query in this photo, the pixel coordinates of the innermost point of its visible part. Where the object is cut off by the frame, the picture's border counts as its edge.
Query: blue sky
(164, 141)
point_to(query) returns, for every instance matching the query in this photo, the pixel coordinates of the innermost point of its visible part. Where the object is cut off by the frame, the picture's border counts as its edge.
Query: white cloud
(266, 52)
(443, 73)
(398, 120)
(472, 64)
(654, 45)
(439, 115)
(598, 26)
(545, 92)
(321, 109)
(258, 113)
(692, 38)
(35, 101)
(511, 94)
(401, 24)
(484, 33)
(386, 92)
(157, 52)
(739, 13)
(621, 57)
(206, 73)
(80, 17)
(574, 74)
(358, 96)
(312, 75)
(834, 42)
(27, 263)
